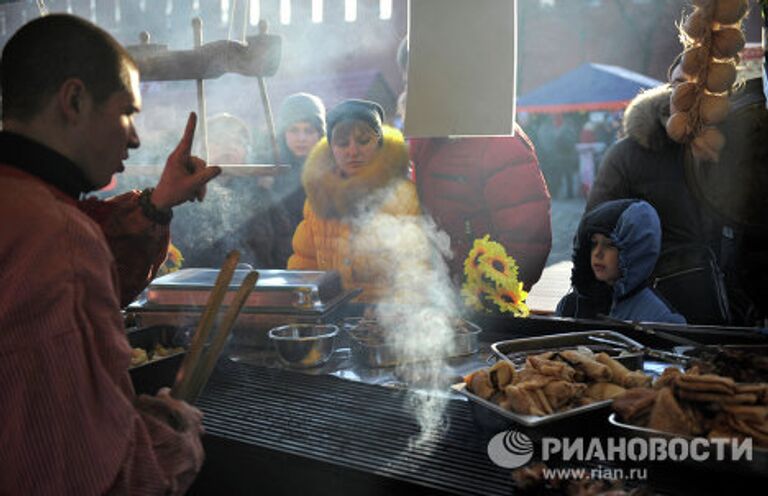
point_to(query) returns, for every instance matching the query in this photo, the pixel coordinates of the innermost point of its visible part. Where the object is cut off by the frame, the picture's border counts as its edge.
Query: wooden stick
(203, 372)
(202, 110)
(268, 118)
(207, 320)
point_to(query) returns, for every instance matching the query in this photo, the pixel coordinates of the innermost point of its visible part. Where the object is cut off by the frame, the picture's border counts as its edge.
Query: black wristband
(151, 212)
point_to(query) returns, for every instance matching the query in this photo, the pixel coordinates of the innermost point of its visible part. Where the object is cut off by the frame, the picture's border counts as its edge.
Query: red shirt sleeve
(138, 244)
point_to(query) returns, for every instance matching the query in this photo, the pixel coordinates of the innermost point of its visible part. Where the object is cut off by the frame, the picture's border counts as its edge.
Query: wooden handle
(201, 373)
(186, 371)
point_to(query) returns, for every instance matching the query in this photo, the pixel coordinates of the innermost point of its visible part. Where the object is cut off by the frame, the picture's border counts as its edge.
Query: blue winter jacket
(634, 228)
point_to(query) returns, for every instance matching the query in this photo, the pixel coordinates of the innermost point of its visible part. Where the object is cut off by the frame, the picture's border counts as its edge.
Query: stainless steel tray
(618, 346)
(527, 420)
(252, 324)
(757, 466)
(384, 355)
(276, 290)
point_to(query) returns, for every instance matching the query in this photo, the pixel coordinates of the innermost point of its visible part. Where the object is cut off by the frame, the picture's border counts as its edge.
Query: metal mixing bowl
(304, 345)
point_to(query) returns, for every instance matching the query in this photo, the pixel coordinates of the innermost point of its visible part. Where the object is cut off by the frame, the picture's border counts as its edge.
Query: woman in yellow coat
(356, 182)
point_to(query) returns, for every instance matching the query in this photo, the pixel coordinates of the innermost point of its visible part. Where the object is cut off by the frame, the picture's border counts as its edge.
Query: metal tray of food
(625, 350)
(742, 363)
(369, 348)
(526, 420)
(757, 466)
(276, 290)
(157, 353)
(252, 324)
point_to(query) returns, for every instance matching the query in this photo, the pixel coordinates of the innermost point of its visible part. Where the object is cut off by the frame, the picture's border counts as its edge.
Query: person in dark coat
(300, 125)
(237, 215)
(647, 164)
(614, 252)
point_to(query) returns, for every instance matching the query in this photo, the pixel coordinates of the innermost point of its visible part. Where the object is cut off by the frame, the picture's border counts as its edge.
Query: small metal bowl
(304, 345)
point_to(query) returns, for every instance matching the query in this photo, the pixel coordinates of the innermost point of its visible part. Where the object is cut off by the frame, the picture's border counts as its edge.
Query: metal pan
(620, 347)
(526, 420)
(757, 466)
(377, 354)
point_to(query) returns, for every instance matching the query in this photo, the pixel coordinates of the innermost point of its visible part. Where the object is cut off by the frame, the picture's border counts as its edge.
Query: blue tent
(588, 87)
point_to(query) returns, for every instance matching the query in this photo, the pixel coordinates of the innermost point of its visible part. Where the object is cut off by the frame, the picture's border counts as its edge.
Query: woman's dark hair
(46, 52)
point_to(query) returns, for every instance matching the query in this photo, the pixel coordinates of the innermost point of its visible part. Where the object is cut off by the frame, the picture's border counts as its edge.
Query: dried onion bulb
(727, 42)
(694, 60)
(714, 108)
(684, 96)
(678, 127)
(730, 11)
(721, 76)
(708, 144)
(696, 25)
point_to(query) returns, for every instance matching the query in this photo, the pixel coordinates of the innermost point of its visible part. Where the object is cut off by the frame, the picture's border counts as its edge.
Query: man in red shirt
(70, 422)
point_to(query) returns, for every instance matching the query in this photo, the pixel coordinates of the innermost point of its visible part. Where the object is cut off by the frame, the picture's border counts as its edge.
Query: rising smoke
(419, 311)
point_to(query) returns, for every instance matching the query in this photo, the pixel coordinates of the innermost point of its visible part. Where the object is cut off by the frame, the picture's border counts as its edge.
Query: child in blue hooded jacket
(614, 252)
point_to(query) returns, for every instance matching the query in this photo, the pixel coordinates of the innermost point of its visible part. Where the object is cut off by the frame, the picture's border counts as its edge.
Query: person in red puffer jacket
(473, 186)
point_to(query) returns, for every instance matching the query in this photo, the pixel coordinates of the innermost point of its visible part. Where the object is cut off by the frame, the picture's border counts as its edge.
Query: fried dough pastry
(561, 393)
(480, 384)
(668, 378)
(591, 368)
(635, 403)
(668, 416)
(520, 400)
(502, 374)
(601, 391)
(622, 375)
(553, 368)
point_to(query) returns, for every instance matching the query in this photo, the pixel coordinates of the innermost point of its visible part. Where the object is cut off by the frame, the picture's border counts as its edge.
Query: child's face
(300, 137)
(604, 259)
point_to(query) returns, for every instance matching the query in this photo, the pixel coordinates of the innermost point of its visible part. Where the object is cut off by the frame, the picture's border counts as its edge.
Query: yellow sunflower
(472, 262)
(500, 268)
(173, 261)
(473, 296)
(511, 300)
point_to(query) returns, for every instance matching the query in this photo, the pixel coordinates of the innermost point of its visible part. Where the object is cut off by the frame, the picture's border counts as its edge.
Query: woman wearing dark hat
(359, 171)
(300, 125)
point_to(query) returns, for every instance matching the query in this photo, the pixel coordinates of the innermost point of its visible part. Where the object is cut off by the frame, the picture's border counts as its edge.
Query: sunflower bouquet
(173, 261)
(491, 278)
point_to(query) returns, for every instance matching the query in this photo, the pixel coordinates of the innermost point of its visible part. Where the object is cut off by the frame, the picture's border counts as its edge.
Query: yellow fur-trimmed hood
(333, 196)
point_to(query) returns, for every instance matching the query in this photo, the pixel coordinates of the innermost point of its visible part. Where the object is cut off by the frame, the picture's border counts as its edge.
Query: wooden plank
(554, 284)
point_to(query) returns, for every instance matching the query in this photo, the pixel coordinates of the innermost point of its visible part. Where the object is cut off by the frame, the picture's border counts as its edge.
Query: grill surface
(349, 425)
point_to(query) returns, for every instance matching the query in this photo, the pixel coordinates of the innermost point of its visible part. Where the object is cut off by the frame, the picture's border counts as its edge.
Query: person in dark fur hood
(358, 170)
(648, 165)
(614, 252)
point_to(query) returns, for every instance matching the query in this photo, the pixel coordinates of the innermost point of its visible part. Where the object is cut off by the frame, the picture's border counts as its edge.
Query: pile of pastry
(740, 364)
(140, 356)
(696, 404)
(554, 381)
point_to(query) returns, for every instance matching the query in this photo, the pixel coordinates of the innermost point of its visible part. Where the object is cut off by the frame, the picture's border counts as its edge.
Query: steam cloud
(420, 311)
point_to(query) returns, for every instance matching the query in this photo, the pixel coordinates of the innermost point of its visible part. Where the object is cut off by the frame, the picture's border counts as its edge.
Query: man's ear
(71, 99)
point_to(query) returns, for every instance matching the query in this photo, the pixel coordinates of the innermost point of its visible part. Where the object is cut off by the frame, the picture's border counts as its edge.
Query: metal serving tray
(150, 376)
(623, 349)
(757, 466)
(481, 407)
(384, 355)
(252, 324)
(276, 290)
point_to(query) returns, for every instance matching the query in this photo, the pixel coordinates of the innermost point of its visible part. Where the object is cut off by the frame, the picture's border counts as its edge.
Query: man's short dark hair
(47, 51)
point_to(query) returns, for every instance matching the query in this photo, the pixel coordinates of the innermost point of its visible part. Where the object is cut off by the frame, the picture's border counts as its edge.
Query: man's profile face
(108, 132)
